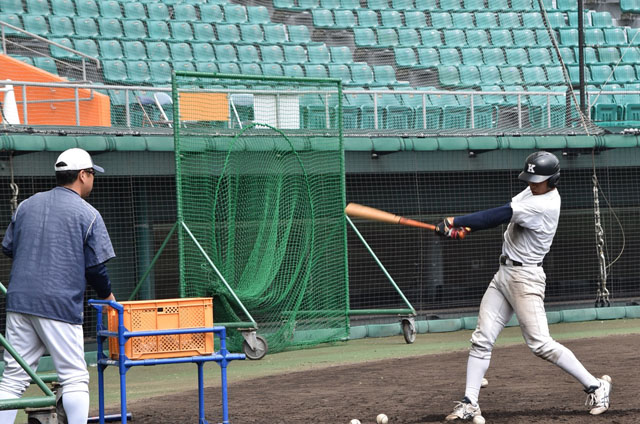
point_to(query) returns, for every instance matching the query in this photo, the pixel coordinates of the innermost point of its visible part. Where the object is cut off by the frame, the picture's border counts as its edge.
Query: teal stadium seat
(540, 56)
(415, 19)
(630, 6)
(615, 36)
(509, 20)
(203, 52)
(431, 37)
(158, 50)
(557, 19)
(135, 50)
(60, 26)
(275, 33)
(250, 69)
(473, 5)
(234, 13)
(295, 54)
(226, 53)
(46, 64)
(572, 18)
(299, 34)
(110, 9)
(510, 75)
(405, 57)
(568, 37)
(429, 57)
(271, 54)
(341, 72)
(362, 74)
(601, 19)
(316, 71)
(211, 13)
(63, 8)
(322, 18)
(391, 18)
(498, 5)
(593, 37)
(449, 76)
(451, 5)
(160, 72)
(387, 37)
(469, 75)
(180, 52)
(533, 75)
(88, 9)
(625, 74)
(490, 75)
(385, 75)
(477, 38)
(341, 54)
(532, 20)
(568, 55)
(524, 37)
(367, 18)
(36, 24)
(86, 46)
(134, 10)
(308, 4)
(110, 49)
(272, 70)
(365, 37)
(158, 30)
(566, 5)
(426, 5)
(179, 66)
(344, 18)
(630, 54)
(472, 56)
(501, 38)
(184, 12)
(133, 29)
(319, 53)
(248, 54)
(408, 37)
(59, 53)
(454, 38)
(517, 57)
(158, 11)
(542, 38)
(600, 73)
(377, 4)
(295, 71)
(486, 20)
(450, 56)
(228, 68)
(251, 33)
(463, 20)
(441, 20)
(555, 75)
(494, 56)
(608, 55)
(228, 33)
(181, 31)
(402, 4)
(38, 7)
(350, 4)
(114, 71)
(203, 31)
(258, 15)
(523, 5)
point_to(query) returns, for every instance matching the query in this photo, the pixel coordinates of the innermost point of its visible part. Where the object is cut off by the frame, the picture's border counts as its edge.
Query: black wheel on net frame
(260, 350)
(408, 331)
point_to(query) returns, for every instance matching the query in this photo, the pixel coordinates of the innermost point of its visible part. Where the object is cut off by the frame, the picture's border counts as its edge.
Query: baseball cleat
(464, 410)
(484, 383)
(598, 396)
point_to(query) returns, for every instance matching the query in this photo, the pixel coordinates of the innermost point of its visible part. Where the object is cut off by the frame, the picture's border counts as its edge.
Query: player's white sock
(476, 369)
(76, 406)
(573, 367)
(8, 416)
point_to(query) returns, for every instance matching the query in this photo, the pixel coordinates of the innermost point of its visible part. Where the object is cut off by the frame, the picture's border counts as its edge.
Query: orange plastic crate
(167, 314)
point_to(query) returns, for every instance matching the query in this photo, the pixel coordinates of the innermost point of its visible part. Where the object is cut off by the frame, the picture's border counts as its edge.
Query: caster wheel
(259, 351)
(408, 331)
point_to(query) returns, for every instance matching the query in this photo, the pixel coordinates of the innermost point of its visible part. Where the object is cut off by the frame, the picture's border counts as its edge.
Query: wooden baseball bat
(359, 211)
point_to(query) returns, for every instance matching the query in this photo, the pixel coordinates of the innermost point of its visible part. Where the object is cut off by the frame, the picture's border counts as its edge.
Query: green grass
(146, 382)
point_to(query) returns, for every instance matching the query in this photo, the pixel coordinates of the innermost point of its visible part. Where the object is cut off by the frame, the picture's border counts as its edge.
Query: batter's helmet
(541, 166)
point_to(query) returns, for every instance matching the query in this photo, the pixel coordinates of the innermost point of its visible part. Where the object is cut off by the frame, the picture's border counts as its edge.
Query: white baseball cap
(74, 160)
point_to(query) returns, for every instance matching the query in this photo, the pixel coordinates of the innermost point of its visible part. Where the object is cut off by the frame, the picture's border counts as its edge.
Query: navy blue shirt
(53, 237)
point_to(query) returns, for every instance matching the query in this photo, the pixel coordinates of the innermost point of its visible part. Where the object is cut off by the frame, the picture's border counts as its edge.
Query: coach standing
(58, 243)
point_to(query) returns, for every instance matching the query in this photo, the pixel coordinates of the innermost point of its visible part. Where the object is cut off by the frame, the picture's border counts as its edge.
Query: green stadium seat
(441, 20)
(391, 18)
(308, 4)
(494, 56)
(415, 19)
(492, 99)
(402, 4)
(251, 33)
(295, 71)
(405, 57)
(114, 71)
(615, 36)
(296, 54)
(110, 28)
(524, 37)
(316, 71)
(228, 68)
(385, 75)
(180, 52)
(517, 56)
(449, 76)
(601, 19)
(630, 6)
(633, 36)
(299, 34)
(160, 72)
(429, 57)
(86, 46)
(469, 75)
(555, 75)
(270, 54)
(377, 4)
(158, 11)
(248, 54)
(568, 55)
(608, 55)
(157, 50)
(523, 5)
(572, 17)
(36, 24)
(600, 73)
(38, 7)
(273, 70)
(540, 56)
(59, 53)
(211, 13)
(568, 36)
(284, 4)
(341, 72)
(158, 30)
(431, 37)
(451, 5)
(593, 36)
(501, 38)
(426, 5)
(180, 66)
(60, 26)
(46, 64)
(509, 19)
(350, 4)
(275, 33)
(322, 18)
(463, 20)
(477, 38)
(181, 31)
(110, 9)
(341, 54)
(510, 75)
(367, 18)
(135, 50)
(133, 29)
(450, 56)
(24, 59)
(344, 18)
(184, 12)
(574, 74)
(62, 8)
(203, 52)
(624, 74)
(498, 5)
(204, 32)
(319, 53)
(512, 99)
(490, 75)
(534, 75)
(110, 49)
(226, 53)
(472, 56)
(134, 10)
(364, 37)
(408, 37)
(542, 38)
(557, 19)
(258, 15)
(486, 20)
(88, 8)
(473, 5)
(362, 74)
(234, 13)
(541, 106)
(532, 20)
(250, 69)
(566, 5)
(630, 54)
(454, 38)
(228, 33)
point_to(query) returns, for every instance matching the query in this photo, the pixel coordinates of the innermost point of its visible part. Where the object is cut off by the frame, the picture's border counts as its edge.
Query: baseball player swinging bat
(360, 211)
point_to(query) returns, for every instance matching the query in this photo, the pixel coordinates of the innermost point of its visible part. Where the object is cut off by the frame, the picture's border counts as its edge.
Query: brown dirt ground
(522, 389)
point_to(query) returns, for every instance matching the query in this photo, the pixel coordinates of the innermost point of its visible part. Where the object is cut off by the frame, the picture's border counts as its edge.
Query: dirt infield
(522, 389)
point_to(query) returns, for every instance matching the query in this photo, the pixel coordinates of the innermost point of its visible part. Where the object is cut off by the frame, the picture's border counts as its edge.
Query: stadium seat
(110, 28)
(110, 9)
(38, 7)
(296, 54)
(490, 75)
(593, 36)
(59, 53)
(248, 54)
(454, 38)
(272, 70)
(534, 75)
(574, 74)
(492, 99)
(295, 71)
(624, 74)
(568, 37)
(426, 5)
(203, 52)
(568, 55)
(181, 31)
(469, 75)
(405, 57)
(524, 37)
(494, 56)
(555, 75)
(258, 15)
(158, 11)
(134, 10)
(557, 19)
(270, 54)
(203, 32)
(472, 56)
(451, 5)
(226, 53)
(385, 75)
(615, 36)
(540, 56)
(431, 37)
(415, 19)
(473, 5)
(387, 37)
(402, 4)
(608, 55)
(601, 19)
(251, 33)
(344, 18)
(133, 29)
(319, 53)
(429, 57)
(391, 18)
(630, 6)
(630, 54)
(532, 20)
(509, 20)
(498, 5)
(88, 8)
(63, 8)
(341, 54)
(299, 34)
(441, 20)
(517, 56)
(322, 18)
(477, 38)
(377, 4)
(408, 37)
(523, 5)
(211, 13)
(365, 37)
(228, 33)
(61, 26)
(450, 56)
(308, 4)
(600, 73)
(184, 12)
(86, 46)
(449, 76)
(566, 5)
(542, 38)
(158, 30)
(114, 71)
(510, 75)
(501, 38)
(572, 17)
(180, 66)
(367, 18)
(228, 68)
(486, 20)
(157, 50)
(46, 63)
(235, 13)
(160, 72)
(110, 49)
(362, 74)
(275, 33)
(250, 69)
(463, 20)
(316, 71)
(341, 72)
(350, 4)
(180, 52)
(36, 24)
(284, 4)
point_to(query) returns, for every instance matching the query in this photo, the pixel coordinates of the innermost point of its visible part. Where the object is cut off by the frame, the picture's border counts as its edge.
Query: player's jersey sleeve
(98, 247)
(527, 213)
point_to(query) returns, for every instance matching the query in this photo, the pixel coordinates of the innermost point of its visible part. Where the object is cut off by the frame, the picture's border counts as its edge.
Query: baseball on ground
(355, 421)
(478, 419)
(382, 419)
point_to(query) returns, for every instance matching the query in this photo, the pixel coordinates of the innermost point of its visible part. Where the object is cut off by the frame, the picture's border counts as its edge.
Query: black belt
(504, 259)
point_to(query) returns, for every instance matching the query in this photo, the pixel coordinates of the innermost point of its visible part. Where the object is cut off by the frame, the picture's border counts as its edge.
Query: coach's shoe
(464, 410)
(598, 396)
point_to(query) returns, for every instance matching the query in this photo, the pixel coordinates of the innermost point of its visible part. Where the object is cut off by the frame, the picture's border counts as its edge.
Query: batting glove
(443, 229)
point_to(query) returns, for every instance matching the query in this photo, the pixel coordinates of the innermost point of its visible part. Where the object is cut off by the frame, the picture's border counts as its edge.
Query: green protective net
(263, 228)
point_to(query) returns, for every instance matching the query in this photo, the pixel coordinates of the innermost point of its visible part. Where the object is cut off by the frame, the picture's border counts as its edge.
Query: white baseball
(382, 419)
(354, 421)
(484, 383)
(478, 419)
